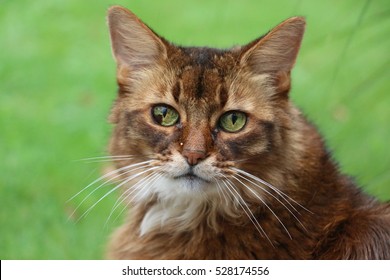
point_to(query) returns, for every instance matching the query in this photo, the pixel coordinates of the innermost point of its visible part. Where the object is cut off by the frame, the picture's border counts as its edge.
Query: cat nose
(193, 156)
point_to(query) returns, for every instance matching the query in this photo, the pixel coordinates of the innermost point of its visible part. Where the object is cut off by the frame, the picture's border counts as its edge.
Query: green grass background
(57, 83)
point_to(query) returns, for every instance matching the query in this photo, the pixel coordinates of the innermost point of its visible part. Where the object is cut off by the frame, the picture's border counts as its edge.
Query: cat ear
(133, 43)
(277, 50)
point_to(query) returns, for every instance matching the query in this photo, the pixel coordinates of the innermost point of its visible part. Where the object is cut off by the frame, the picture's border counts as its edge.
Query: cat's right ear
(134, 45)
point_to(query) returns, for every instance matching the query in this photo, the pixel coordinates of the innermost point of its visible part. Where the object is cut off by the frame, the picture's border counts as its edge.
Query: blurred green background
(57, 83)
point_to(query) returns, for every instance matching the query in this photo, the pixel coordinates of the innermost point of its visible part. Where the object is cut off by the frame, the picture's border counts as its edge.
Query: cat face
(189, 118)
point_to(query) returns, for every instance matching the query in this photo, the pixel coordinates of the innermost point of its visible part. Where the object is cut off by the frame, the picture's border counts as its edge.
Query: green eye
(232, 121)
(165, 115)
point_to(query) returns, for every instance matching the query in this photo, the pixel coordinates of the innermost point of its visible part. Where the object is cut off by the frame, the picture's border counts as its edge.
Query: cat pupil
(234, 118)
(164, 111)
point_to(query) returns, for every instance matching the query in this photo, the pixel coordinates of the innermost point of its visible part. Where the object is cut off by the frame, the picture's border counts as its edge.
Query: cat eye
(232, 121)
(165, 115)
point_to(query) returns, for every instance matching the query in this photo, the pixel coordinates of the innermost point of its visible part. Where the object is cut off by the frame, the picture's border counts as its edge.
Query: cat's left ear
(277, 50)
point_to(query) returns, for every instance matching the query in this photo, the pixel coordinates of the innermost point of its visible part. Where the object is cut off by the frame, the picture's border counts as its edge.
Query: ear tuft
(133, 43)
(277, 50)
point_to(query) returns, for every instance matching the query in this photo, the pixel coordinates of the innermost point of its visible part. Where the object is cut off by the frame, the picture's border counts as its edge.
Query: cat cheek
(236, 148)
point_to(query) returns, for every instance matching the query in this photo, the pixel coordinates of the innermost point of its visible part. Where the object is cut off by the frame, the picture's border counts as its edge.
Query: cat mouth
(191, 179)
(190, 176)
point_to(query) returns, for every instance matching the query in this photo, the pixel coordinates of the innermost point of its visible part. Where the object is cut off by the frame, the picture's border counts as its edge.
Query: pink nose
(193, 156)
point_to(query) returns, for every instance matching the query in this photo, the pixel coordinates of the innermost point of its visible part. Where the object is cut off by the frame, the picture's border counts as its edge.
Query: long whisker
(108, 160)
(220, 191)
(266, 191)
(120, 199)
(266, 205)
(103, 184)
(282, 194)
(109, 174)
(115, 188)
(125, 195)
(265, 183)
(246, 209)
(105, 158)
(139, 189)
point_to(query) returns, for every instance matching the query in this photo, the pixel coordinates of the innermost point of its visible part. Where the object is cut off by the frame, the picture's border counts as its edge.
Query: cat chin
(180, 202)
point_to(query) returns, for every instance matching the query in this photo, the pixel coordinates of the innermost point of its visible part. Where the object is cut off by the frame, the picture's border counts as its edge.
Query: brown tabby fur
(326, 216)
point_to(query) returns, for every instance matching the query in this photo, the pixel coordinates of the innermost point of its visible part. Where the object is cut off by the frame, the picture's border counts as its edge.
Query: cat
(217, 163)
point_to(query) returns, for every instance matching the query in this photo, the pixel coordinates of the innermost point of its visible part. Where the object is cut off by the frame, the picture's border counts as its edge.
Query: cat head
(190, 118)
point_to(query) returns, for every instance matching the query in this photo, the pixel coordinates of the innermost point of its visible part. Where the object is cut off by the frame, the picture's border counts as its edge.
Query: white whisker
(140, 189)
(105, 158)
(268, 192)
(246, 209)
(221, 191)
(265, 183)
(108, 160)
(103, 184)
(266, 205)
(277, 199)
(125, 195)
(109, 174)
(145, 179)
(115, 188)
